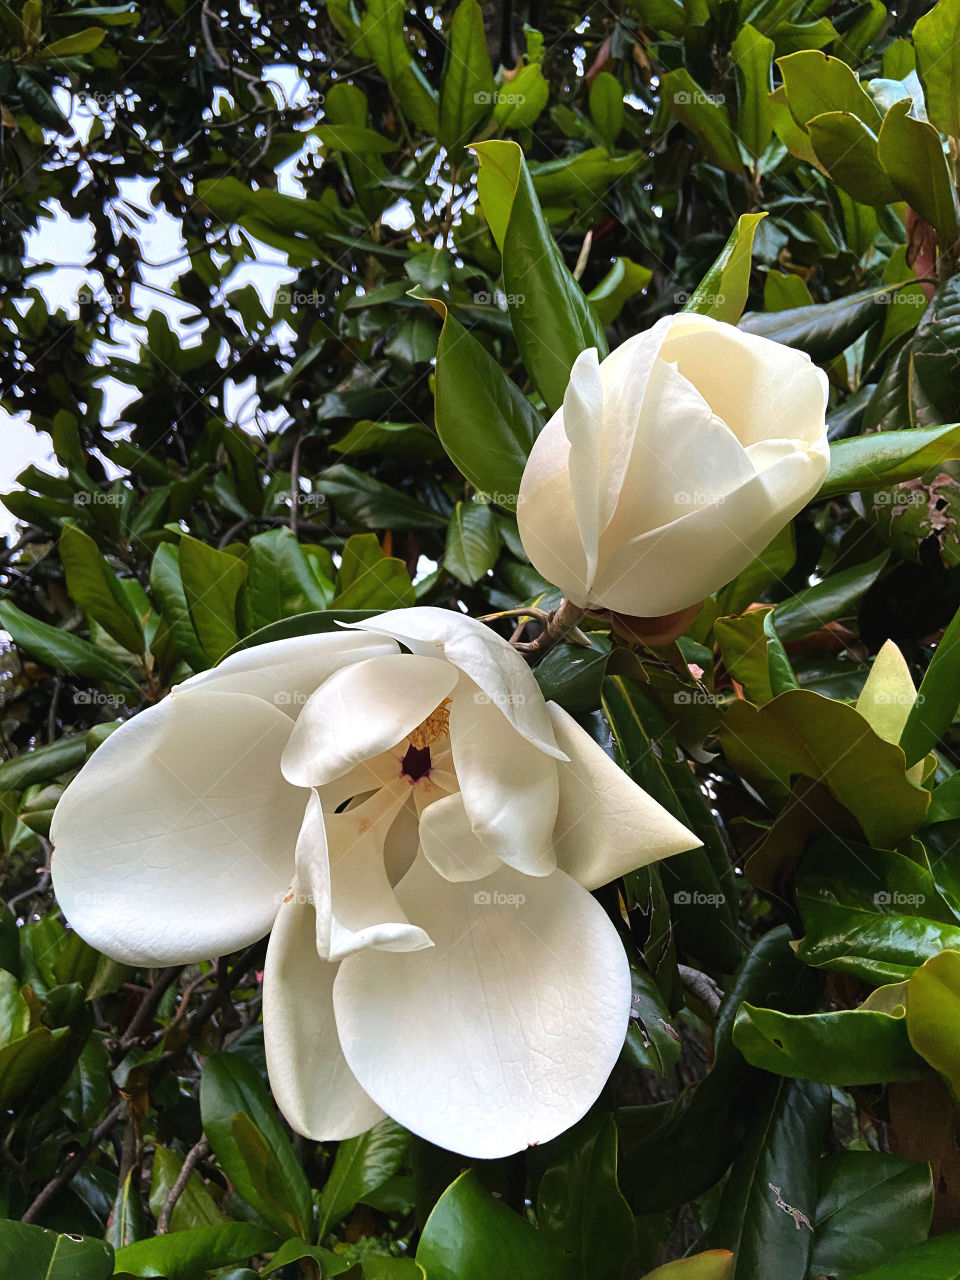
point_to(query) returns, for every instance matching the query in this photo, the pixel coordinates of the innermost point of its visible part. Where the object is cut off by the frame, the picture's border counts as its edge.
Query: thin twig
(195, 1154)
(148, 1005)
(74, 1164)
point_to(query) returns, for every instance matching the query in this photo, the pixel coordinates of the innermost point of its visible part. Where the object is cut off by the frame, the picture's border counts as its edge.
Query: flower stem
(557, 627)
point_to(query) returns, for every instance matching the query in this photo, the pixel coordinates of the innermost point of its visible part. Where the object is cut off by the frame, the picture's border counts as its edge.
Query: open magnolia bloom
(420, 830)
(671, 465)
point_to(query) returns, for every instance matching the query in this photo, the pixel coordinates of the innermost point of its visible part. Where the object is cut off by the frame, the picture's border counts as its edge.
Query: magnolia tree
(479, 793)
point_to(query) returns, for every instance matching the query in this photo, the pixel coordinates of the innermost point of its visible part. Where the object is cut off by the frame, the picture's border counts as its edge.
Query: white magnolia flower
(420, 830)
(671, 465)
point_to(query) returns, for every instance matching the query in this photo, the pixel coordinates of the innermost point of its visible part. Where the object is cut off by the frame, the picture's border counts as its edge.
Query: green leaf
(189, 1255)
(825, 329)
(485, 423)
(230, 1085)
(96, 589)
(849, 1047)
(848, 150)
(770, 1196)
(624, 279)
(467, 89)
(298, 1250)
(370, 580)
(34, 1253)
(705, 116)
(520, 101)
(753, 56)
(870, 1205)
(744, 648)
(14, 1010)
(606, 107)
(722, 293)
(383, 40)
(473, 542)
(306, 624)
(938, 62)
(23, 1062)
(933, 1006)
(471, 1236)
(803, 733)
(195, 1206)
(60, 649)
(42, 764)
(835, 596)
(551, 317)
(355, 139)
(816, 83)
(361, 1166)
(167, 587)
(871, 913)
(937, 698)
(362, 501)
(407, 439)
(280, 580)
(717, 1264)
(935, 1259)
(911, 153)
(887, 458)
(579, 1205)
(70, 46)
(652, 1041)
(211, 583)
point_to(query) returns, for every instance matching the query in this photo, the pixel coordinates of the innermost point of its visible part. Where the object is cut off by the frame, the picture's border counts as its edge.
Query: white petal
(760, 388)
(450, 844)
(368, 775)
(360, 712)
(286, 672)
(681, 563)
(309, 1076)
(592, 485)
(341, 866)
(504, 1034)
(509, 787)
(888, 694)
(488, 660)
(606, 824)
(176, 840)
(546, 519)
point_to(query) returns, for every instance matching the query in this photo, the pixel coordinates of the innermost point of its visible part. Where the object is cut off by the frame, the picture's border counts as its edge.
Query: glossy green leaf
(520, 101)
(96, 589)
(486, 424)
(722, 293)
(887, 458)
(361, 1165)
(471, 1236)
(467, 90)
(835, 596)
(705, 116)
(280, 580)
(34, 1253)
(366, 503)
(715, 1264)
(59, 649)
(353, 138)
(606, 107)
(933, 1014)
(769, 1199)
(383, 40)
(848, 1047)
(189, 1255)
(938, 697)
(652, 1043)
(473, 542)
(551, 317)
(848, 150)
(166, 585)
(938, 62)
(370, 580)
(624, 279)
(230, 1085)
(911, 153)
(870, 1206)
(42, 764)
(579, 1205)
(299, 1250)
(823, 330)
(816, 83)
(935, 1259)
(306, 624)
(211, 582)
(753, 57)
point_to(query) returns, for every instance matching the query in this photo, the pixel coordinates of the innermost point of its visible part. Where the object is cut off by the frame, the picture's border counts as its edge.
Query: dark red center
(416, 763)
